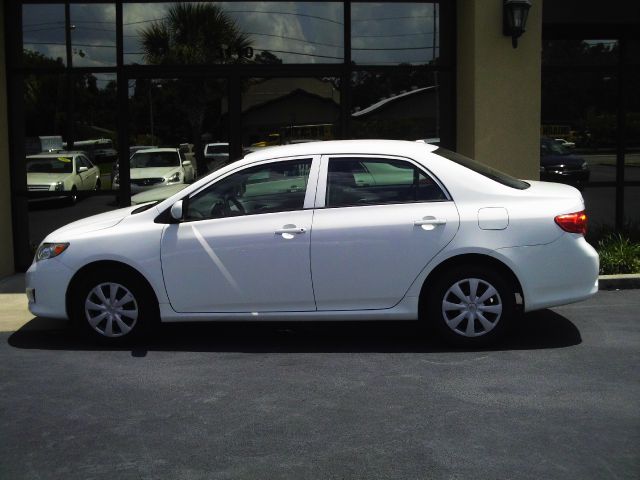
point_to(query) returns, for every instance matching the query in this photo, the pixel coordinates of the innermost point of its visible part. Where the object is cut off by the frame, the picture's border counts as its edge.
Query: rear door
(378, 222)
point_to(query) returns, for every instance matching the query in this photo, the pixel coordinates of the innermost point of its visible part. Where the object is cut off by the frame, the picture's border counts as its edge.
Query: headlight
(50, 250)
(584, 165)
(175, 178)
(59, 186)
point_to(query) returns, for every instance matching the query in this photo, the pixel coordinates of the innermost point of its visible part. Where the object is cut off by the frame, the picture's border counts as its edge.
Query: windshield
(482, 169)
(554, 147)
(50, 165)
(155, 159)
(211, 149)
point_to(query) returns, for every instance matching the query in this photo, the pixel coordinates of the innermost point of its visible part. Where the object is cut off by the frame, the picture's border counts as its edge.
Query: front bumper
(46, 285)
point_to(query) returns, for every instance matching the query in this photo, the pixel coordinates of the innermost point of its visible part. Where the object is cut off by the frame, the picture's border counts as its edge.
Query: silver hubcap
(471, 307)
(111, 309)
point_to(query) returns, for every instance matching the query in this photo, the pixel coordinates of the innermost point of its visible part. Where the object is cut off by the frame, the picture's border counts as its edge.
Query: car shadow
(536, 330)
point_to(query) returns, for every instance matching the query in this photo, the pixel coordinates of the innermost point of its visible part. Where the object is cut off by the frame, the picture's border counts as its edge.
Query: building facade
(107, 77)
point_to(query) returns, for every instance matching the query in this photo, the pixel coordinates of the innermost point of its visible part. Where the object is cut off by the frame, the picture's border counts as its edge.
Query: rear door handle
(430, 221)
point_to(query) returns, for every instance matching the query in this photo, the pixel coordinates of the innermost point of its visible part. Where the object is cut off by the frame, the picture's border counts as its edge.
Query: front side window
(269, 188)
(371, 181)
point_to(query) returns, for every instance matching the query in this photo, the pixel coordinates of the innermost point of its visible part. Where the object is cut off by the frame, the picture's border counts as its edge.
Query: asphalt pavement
(558, 399)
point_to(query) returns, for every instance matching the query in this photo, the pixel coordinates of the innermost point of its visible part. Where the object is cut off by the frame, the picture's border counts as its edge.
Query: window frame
(310, 192)
(321, 195)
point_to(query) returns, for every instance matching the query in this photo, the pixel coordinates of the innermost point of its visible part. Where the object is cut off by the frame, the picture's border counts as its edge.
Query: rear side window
(482, 169)
(378, 181)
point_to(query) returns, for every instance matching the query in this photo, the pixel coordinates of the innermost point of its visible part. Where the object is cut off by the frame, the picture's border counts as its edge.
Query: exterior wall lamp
(514, 18)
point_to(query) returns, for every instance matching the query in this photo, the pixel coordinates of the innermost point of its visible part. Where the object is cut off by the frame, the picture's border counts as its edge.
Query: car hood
(153, 172)
(90, 224)
(42, 178)
(569, 160)
(157, 194)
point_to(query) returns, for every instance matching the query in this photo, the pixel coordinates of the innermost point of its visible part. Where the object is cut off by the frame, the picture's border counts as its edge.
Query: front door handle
(290, 230)
(430, 221)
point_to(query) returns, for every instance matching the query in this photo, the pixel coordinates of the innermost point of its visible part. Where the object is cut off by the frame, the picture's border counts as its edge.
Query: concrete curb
(619, 282)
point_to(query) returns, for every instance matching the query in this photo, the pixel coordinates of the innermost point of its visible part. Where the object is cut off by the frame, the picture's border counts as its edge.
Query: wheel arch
(472, 259)
(102, 265)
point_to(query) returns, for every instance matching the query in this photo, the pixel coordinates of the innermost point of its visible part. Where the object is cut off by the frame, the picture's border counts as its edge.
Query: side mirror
(82, 169)
(186, 163)
(177, 212)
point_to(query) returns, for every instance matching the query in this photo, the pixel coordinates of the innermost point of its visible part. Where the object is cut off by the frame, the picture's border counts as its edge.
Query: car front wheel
(471, 306)
(113, 307)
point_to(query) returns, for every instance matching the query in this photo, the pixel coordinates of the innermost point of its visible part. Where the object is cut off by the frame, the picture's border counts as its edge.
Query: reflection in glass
(632, 126)
(580, 108)
(95, 122)
(43, 35)
(580, 52)
(600, 204)
(93, 35)
(233, 32)
(395, 33)
(45, 112)
(395, 105)
(279, 111)
(186, 115)
(632, 208)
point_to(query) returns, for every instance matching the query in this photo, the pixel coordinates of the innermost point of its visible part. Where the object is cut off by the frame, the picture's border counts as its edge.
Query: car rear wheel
(470, 306)
(113, 307)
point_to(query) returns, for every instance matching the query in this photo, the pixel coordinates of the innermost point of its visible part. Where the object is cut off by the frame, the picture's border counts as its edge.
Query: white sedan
(62, 173)
(156, 167)
(309, 232)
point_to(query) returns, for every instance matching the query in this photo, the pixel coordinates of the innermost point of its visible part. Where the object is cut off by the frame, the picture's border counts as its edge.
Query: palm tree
(195, 34)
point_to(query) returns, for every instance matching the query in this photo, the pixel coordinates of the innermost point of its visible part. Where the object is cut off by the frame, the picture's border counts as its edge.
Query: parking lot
(559, 398)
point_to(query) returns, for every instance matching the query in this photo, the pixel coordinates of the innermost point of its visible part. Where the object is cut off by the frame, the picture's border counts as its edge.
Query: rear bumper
(564, 271)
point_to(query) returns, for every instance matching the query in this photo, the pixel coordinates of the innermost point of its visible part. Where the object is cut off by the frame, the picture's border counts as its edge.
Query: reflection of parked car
(156, 194)
(115, 168)
(565, 143)
(60, 172)
(216, 155)
(156, 167)
(557, 164)
(288, 234)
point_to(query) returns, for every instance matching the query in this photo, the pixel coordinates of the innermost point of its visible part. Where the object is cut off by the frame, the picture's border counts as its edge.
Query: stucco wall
(6, 240)
(498, 88)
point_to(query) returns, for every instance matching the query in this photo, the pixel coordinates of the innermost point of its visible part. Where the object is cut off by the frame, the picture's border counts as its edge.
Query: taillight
(573, 222)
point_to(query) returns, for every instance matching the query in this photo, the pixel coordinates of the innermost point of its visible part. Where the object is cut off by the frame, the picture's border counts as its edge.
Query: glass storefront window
(93, 35)
(600, 205)
(43, 35)
(396, 105)
(632, 126)
(388, 33)
(233, 32)
(580, 108)
(278, 111)
(178, 132)
(567, 52)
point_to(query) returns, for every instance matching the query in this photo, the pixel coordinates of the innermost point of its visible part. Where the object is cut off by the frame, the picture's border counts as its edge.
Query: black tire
(108, 330)
(476, 323)
(73, 198)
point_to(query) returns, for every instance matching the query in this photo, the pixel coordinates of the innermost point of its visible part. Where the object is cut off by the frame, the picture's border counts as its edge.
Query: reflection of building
(282, 105)
(409, 115)
(305, 80)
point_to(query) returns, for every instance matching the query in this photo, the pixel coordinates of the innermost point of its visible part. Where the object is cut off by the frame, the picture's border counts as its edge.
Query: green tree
(196, 34)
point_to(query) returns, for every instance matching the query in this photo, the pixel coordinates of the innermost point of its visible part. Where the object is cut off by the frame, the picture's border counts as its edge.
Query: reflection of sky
(296, 32)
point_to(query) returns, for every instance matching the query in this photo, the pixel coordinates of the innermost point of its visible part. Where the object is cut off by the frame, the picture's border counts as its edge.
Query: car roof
(338, 147)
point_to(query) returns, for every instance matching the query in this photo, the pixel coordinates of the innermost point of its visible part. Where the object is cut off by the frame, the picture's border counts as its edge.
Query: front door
(244, 245)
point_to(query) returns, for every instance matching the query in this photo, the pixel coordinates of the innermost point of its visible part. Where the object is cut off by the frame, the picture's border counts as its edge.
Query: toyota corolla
(341, 230)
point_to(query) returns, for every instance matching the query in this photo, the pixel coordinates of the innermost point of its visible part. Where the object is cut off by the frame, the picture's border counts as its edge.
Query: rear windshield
(213, 149)
(482, 169)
